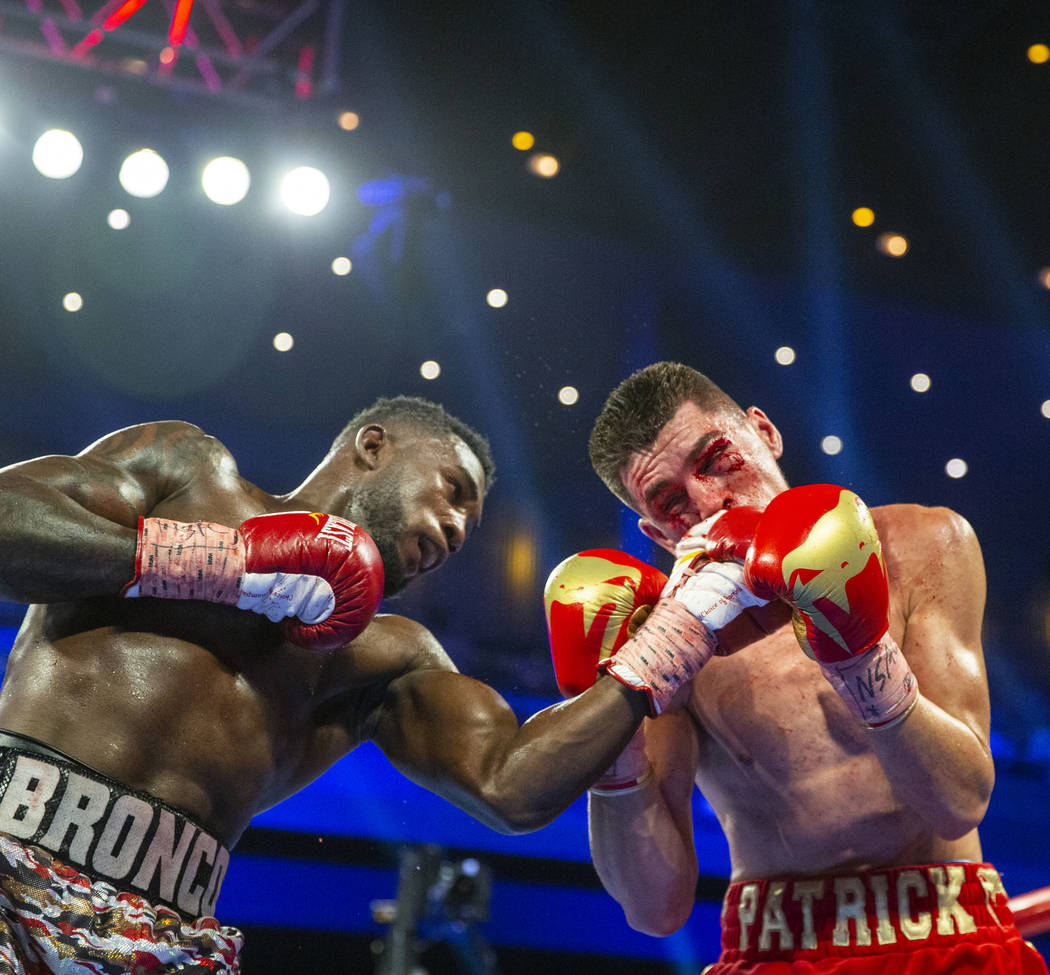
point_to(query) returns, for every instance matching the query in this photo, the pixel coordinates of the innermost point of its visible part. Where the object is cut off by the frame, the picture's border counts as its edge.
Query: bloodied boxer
(850, 778)
(198, 649)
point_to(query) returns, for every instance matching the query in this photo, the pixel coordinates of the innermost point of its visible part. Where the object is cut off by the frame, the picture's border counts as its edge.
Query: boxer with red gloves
(199, 649)
(849, 779)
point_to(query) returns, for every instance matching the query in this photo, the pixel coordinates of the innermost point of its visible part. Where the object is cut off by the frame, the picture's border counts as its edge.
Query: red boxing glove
(724, 537)
(593, 602)
(816, 547)
(320, 576)
(590, 600)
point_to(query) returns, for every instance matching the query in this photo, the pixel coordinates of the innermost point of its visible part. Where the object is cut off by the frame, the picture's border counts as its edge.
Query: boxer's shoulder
(389, 647)
(917, 539)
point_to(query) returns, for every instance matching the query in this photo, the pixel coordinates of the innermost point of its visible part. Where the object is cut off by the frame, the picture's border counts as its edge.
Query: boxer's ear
(654, 533)
(370, 445)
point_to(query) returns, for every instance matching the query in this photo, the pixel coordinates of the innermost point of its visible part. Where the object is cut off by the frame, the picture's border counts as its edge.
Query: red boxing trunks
(149, 874)
(924, 920)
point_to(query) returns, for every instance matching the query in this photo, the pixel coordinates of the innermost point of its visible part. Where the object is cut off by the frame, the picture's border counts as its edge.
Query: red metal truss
(235, 48)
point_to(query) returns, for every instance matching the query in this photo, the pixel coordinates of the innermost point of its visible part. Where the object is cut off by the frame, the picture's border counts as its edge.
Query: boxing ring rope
(1032, 912)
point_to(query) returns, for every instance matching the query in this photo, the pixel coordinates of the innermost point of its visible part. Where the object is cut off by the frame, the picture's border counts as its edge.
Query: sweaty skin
(798, 785)
(205, 706)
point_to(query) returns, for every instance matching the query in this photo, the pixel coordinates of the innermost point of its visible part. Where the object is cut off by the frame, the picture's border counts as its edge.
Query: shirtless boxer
(849, 786)
(199, 649)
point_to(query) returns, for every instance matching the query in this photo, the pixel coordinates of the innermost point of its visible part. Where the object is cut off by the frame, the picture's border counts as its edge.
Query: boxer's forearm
(458, 738)
(54, 549)
(939, 767)
(643, 860)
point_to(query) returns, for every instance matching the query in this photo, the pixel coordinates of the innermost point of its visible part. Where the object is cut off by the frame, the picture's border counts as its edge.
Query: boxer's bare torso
(789, 772)
(202, 705)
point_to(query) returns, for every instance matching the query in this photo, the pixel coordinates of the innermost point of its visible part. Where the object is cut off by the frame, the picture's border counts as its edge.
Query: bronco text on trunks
(124, 838)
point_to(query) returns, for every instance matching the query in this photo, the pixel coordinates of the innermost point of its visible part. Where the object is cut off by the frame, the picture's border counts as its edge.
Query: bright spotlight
(920, 382)
(118, 219)
(892, 245)
(57, 154)
(785, 355)
(956, 468)
(568, 395)
(544, 164)
(226, 181)
(283, 341)
(305, 191)
(72, 301)
(1044, 408)
(831, 445)
(430, 369)
(496, 298)
(863, 216)
(342, 266)
(523, 141)
(144, 174)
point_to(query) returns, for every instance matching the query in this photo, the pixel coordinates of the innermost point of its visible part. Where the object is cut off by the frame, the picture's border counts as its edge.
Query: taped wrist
(187, 560)
(668, 650)
(877, 686)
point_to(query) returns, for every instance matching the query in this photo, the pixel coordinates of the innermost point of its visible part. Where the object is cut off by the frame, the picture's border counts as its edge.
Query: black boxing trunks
(95, 877)
(933, 919)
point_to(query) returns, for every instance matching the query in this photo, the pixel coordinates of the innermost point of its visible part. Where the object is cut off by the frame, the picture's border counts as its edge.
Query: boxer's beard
(381, 512)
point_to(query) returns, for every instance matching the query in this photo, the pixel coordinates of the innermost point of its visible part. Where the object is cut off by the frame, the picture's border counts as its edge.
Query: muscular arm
(68, 524)
(642, 842)
(938, 760)
(460, 739)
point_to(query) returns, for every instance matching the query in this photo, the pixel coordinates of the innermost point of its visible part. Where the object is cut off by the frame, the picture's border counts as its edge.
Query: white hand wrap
(668, 650)
(877, 685)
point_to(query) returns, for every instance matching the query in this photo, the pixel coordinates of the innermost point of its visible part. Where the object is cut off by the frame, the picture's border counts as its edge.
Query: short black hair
(636, 411)
(424, 416)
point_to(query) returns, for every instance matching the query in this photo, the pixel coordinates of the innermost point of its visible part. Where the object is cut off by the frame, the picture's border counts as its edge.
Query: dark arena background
(840, 211)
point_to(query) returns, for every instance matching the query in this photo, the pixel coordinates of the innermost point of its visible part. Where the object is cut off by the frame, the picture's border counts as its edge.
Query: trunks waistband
(112, 833)
(869, 912)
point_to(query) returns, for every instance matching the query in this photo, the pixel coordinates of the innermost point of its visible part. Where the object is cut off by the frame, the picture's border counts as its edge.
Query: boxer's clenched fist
(593, 602)
(320, 576)
(816, 547)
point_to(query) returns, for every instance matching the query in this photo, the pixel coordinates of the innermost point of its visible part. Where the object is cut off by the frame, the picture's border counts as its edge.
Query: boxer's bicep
(68, 524)
(942, 636)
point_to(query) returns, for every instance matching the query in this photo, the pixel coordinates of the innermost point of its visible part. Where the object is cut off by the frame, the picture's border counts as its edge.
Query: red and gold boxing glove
(593, 602)
(318, 575)
(724, 537)
(816, 547)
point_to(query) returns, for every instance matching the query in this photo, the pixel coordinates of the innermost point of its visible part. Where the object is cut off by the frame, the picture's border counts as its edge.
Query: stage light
(893, 245)
(430, 369)
(785, 355)
(1045, 408)
(497, 297)
(1039, 54)
(863, 216)
(523, 141)
(568, 395)
(57, 154)
(283, 341)
(348, 121)
(920, 382)
(144, 174)
(118, 219)
(342, 266)
(956, 468)
(542, 164)
(305, 191)
(226, 181)
(72, 301)
(1044, 277)
(831, 445)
